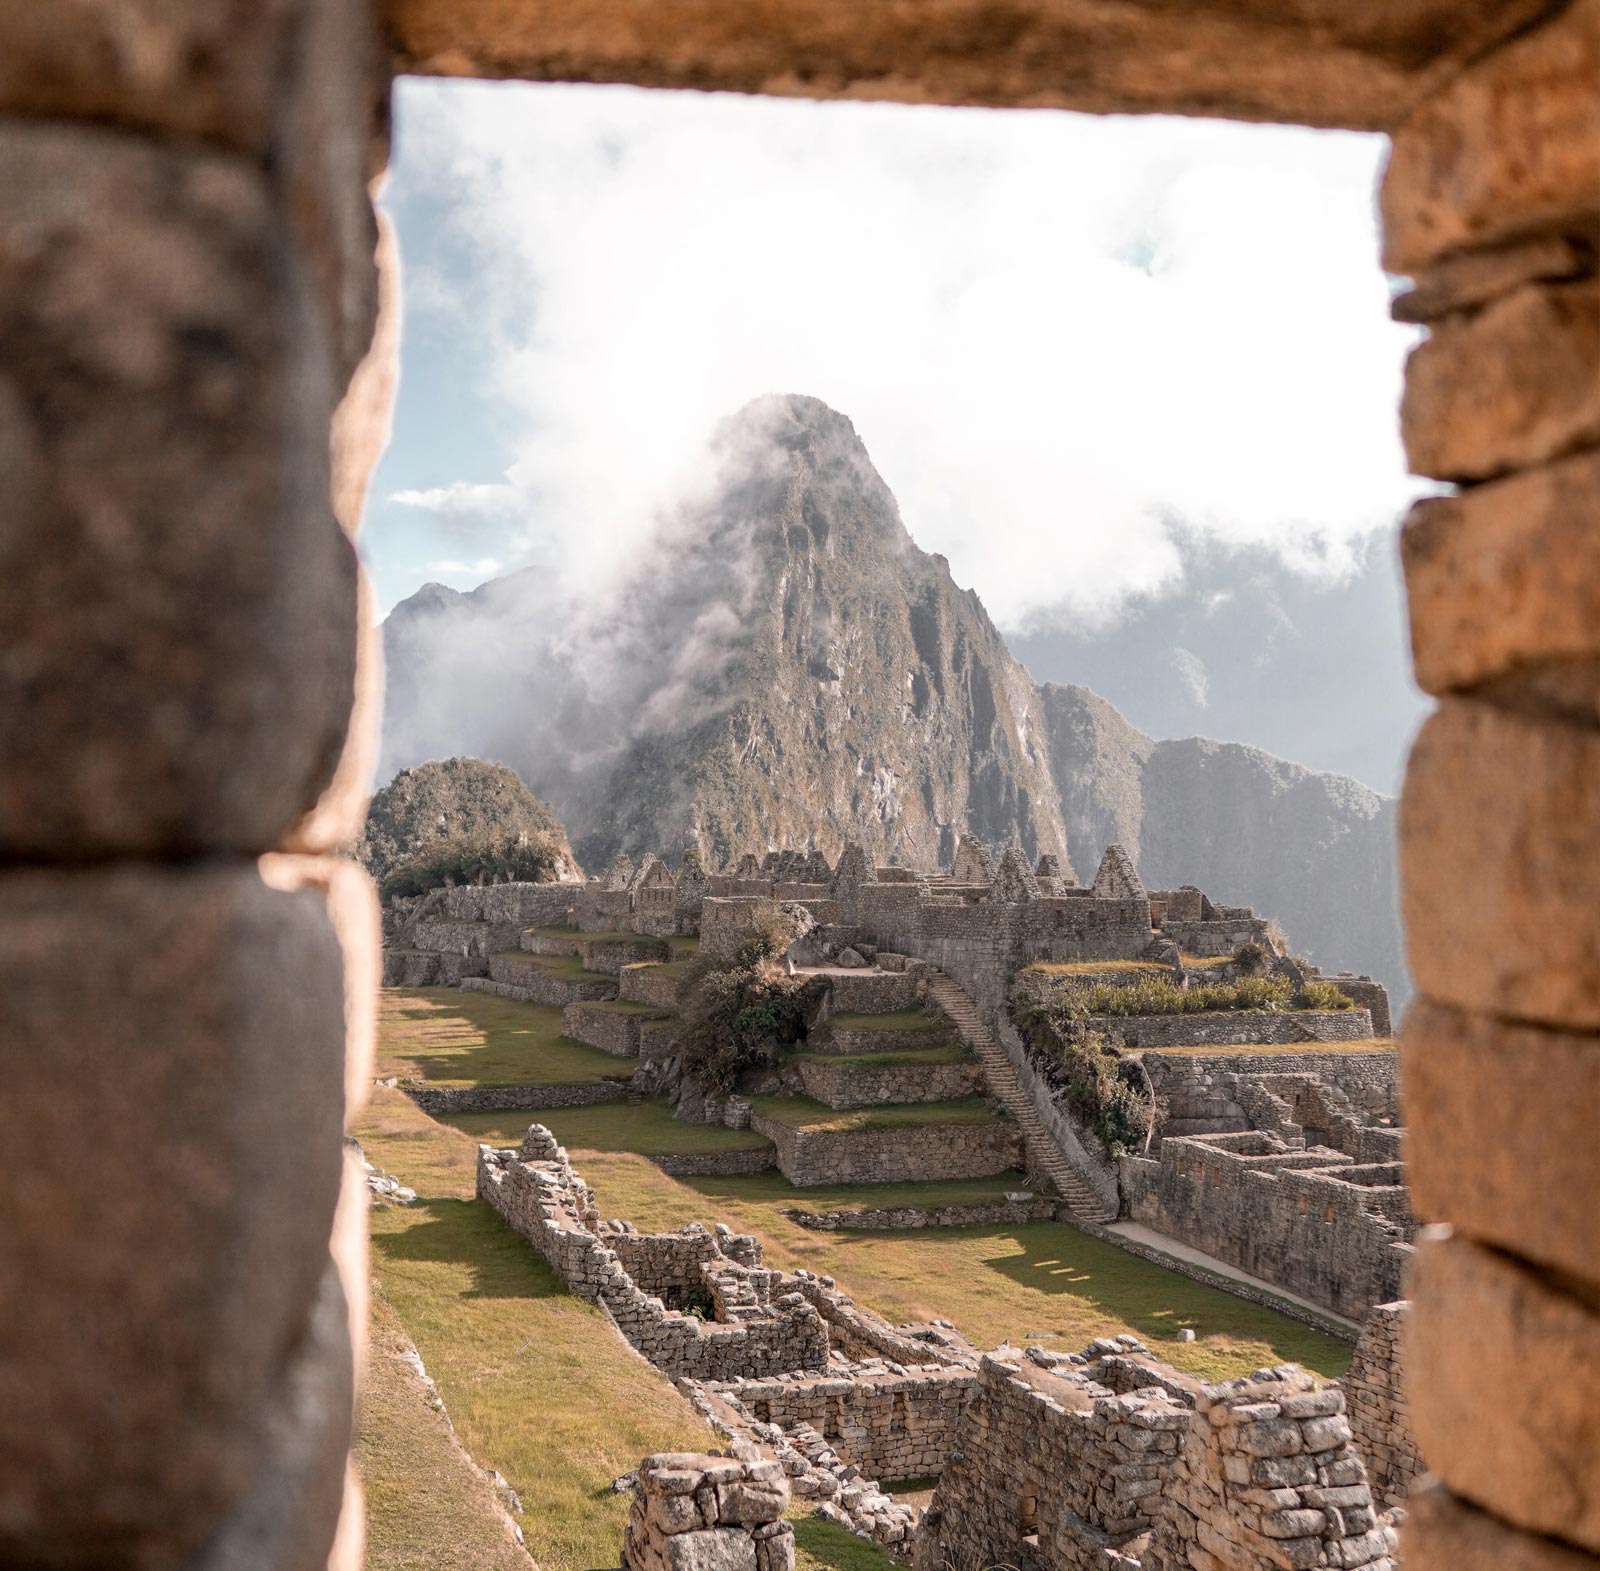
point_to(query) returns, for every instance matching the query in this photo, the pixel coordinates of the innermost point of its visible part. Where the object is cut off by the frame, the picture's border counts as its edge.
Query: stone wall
(908, 1154)
(446, 1100)
(520, 905)
(875, 992)
(882, 1219)
(537, 1194)
(1376, 1403)
(1222, 1027)
(1054, 1469)
(613, 1028)
(1314, 1222)
(1202, 1092)
(891, 1425)
(708, 1513)
(841, 1083)
(1268, 1479)
(727, 924)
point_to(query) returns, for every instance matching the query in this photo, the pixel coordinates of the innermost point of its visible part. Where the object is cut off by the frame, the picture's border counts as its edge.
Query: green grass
(451, 1038)
(565, 968)
(830, 1546)
(994, 1282)
(952, 1053)
(688, 947)
(672, 968)
(426, 1504)
(900, 1020)
(626, 1006)
(649, 1129)
(617, 937)
(800, 1112)
(1205, 962)
(538, 1383)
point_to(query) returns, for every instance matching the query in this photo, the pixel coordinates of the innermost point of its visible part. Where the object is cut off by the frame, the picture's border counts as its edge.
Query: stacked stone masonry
(708, 1513)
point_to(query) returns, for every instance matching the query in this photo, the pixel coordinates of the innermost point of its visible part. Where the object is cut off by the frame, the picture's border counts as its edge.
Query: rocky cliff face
(1314, 851)
(789, 668)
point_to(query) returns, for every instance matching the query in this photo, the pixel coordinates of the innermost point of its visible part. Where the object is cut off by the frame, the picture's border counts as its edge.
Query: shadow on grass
(467, 1233)
(1053, 1258)
(831, 1546)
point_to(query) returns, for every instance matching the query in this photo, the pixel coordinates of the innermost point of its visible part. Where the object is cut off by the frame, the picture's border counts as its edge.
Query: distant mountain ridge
(789, 669)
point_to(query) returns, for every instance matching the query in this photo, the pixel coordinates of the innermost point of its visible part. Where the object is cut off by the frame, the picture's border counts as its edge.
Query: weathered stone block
(715, 1549)
(1500, 864)
(1511, 146)
(1490, 580)
(174, 1094)
(1507, 387)
(1502, 1368)
(170, 564)
(300, 85)
(1473, 278)
(1443, 1533)
(1501, 1120)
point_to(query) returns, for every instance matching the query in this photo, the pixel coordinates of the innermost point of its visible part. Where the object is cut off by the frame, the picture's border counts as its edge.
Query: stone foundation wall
(1053, 1469)
(891, 1156)
(520, 905)
(1268, 1479)
(936, 1032)
(891, 1426)
(1294, 1219)
(1214, 939)
(1222, 1027)
(605, 1026)
(708, 1513)
(1202, 1093)
(467, 936)
(539, 1197)
(443, 1100)
(1376, 1403)
(715, 1164)
(513, 968)
(883, 1219)
(650, 984)
(842, 1084)
(875, 992)
(727, 924)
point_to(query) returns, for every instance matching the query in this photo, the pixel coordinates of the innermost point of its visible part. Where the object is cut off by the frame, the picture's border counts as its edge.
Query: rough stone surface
(1380, 1422)
(190, 1023)
(1312, 61)
(1503, 1119)
(1444, 1533)
(1489, 575)
(1500, 851)
(1502, 1367)
(1510, 147)
(1506, 387)
(183, 629)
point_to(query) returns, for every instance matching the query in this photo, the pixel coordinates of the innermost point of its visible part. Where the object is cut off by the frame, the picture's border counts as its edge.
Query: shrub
(1101, 1096)
(1250, 956)
(1317, 994)
(738, 1016)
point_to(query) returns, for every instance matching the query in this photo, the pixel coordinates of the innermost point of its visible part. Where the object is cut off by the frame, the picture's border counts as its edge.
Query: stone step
(1006, 1088)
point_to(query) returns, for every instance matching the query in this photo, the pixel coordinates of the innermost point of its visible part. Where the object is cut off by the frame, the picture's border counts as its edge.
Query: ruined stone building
(198, 315)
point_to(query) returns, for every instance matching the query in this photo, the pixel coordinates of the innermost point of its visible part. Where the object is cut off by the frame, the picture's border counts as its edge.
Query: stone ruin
(1106, 1459)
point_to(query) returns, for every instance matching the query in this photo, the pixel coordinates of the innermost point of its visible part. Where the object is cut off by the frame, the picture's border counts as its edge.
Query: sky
(1117, 370)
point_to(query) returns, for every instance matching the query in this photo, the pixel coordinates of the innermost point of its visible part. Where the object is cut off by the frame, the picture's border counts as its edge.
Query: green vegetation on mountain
(465, 821)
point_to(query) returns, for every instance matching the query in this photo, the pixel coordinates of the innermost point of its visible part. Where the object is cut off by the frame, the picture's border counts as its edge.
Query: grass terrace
(800, 1112)
(685, 948)
(565, 968)
(648, 1129)
(451, 1038)
(1205, 962)
(626, 1006)
(537, 1382)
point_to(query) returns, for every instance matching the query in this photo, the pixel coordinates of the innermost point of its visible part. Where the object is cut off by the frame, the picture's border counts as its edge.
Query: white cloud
(484, 567)
(463, 503)
(1055, 333)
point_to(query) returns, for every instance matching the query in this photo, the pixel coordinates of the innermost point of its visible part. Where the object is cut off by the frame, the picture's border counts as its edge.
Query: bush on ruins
(737, 1015)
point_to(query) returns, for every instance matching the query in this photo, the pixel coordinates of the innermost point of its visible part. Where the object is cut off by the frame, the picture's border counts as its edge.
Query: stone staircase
(1044, 1155)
